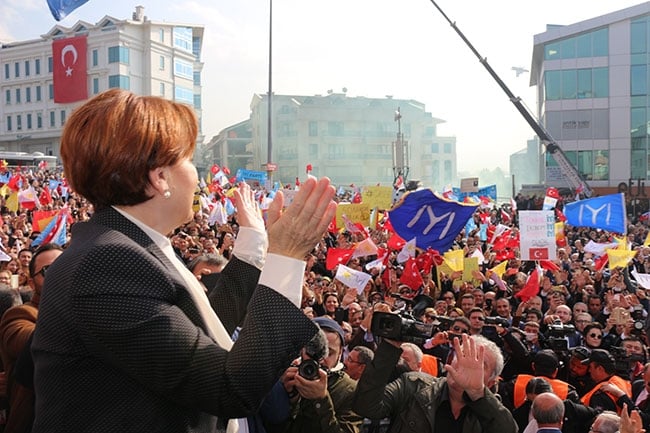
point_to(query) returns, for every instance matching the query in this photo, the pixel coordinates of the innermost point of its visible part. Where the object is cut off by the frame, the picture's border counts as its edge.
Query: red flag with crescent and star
(69, 69)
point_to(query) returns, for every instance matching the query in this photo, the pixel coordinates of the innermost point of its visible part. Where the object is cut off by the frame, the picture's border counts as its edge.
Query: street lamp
(269, 144)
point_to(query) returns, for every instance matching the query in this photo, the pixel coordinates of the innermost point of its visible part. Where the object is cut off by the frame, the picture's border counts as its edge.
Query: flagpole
(269, 157)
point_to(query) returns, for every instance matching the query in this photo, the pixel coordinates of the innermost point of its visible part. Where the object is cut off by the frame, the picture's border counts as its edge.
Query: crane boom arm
(574, 177)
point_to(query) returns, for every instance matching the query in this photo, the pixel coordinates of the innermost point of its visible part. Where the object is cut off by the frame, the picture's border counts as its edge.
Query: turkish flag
(411, 275)
(336, 256)
(70, 77)
(531, 288)
(538, 253)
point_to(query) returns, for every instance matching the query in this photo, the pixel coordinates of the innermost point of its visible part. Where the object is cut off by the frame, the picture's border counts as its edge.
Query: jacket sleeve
(493, 416)
(341, 419)
(373, 398)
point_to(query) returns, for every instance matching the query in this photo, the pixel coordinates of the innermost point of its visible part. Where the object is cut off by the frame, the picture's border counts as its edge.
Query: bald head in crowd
(548, 410)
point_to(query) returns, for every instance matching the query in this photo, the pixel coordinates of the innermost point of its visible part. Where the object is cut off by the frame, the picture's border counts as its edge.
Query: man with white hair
(418, 402)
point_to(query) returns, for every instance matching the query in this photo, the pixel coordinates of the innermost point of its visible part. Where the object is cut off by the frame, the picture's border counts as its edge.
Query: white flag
(407, 251)
(352, 278)
(365, 248)
(599, 249)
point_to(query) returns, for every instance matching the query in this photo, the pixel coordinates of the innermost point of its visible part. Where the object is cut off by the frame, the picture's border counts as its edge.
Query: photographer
(545, 364)
(321, 398)
(602, 369)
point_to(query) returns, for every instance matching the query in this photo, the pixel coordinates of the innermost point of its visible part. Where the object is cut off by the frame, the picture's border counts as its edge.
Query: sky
(374, 48)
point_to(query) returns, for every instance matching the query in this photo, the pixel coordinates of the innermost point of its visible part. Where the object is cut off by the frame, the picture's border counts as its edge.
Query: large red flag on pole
(69, 64)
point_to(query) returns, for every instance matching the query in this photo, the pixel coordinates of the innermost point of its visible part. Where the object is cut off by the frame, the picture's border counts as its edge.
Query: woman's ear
(158, 179)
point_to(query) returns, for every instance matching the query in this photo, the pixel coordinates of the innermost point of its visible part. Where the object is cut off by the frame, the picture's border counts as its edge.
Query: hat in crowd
(546, 362)
(601, 357)
(375, 294)
(580, 352)
(326, 278)
(325, 323)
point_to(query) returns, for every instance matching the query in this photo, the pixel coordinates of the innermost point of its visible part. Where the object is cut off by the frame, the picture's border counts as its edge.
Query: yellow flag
(12, 202)
(455, 259)
(4, 190)
(622, 242)
(500, 269)
(619, 258)
(647, 240)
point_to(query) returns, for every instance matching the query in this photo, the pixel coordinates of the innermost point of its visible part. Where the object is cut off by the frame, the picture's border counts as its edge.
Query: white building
(594, 98)
(349, 139)
(143, 56)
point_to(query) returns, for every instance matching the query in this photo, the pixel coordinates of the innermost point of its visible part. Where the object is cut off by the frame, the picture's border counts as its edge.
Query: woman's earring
(167, 193)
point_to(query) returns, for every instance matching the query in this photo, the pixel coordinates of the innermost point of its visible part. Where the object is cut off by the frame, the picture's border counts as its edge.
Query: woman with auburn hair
(127, 339)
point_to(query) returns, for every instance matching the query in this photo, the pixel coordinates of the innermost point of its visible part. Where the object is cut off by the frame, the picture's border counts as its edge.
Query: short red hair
(110, 143)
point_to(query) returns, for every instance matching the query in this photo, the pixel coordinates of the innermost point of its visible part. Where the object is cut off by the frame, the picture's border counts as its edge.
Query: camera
(639, 322)
(308, 368)
(556, 336)
(401, 327)
(496, 321)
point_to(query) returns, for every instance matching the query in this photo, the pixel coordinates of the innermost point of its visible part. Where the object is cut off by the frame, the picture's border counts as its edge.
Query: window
(38, 93)
(197, 102)
(8, 96)
(18, 98)
(335, 129)
(119, 81)
(95, 56)
(435, 147)
(29, 121)
(313, 150)
(52, 119)
(28, 94)
(118, 54)
(183, 38)
(161, 35)
(446, 147)
(447, 169)
(638, 80)
(27, 71)
(183, 69)
(183, 94)
(62, 117)
(161, 64)
(584, 84)
(313, 128)
(17, 69)
(95, 86)
(50, 89)
(162, 89)
(197, 78)
(39, 120)
(50, 65)
(9, 126)
(37, 66)
(19, 122)
(6, 71)
(569, 84)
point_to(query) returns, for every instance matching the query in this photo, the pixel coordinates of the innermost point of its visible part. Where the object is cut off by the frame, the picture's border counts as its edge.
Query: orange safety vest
(560, 388)
(618, 381)
(429, 365)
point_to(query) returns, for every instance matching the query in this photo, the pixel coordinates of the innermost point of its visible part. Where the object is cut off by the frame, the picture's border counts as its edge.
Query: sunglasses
(447, 297)
(596, 336)
(460, 329)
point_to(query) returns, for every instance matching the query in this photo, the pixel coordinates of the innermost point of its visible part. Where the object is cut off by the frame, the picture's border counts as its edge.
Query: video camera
(489, 330)
(404, 326)
(400, 327)
(556, 341)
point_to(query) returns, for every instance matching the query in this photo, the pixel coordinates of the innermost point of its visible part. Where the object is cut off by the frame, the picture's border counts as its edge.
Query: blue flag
(433, 221)
(606, 212)
(61, 8)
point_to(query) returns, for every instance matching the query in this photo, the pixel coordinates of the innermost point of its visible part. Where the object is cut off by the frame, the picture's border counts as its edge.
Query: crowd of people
(152, 316)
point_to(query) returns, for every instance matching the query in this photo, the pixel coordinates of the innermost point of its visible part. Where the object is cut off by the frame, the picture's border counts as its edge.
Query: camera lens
(308, 369)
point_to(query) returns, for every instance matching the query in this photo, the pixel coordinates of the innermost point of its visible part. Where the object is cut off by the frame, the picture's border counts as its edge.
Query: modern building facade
(593, 90)
(349, 139)
(143, 56)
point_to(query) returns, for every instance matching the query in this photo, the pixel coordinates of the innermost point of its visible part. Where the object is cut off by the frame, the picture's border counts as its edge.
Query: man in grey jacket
(417, 402)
